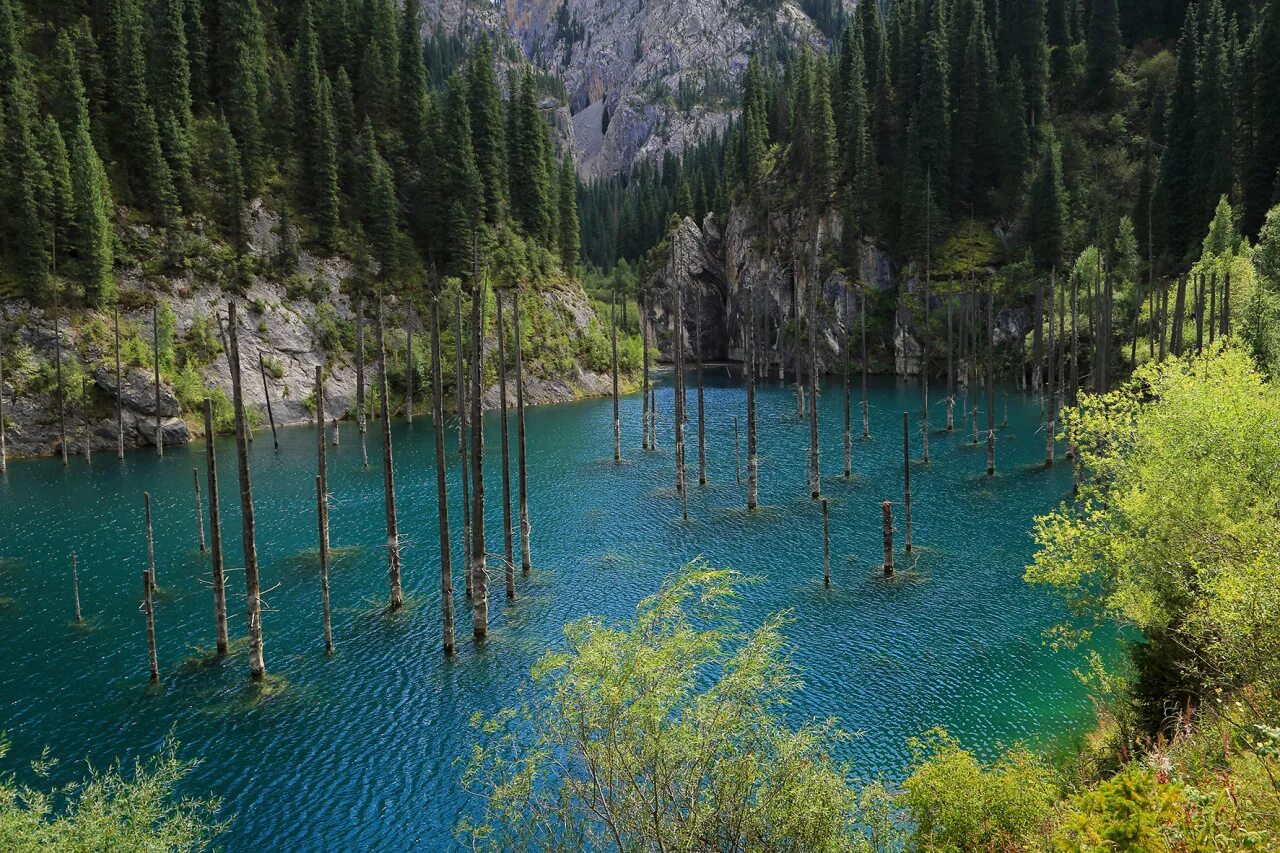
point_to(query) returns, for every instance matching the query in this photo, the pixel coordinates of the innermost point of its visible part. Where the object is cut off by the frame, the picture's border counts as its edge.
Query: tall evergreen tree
(1046, 219)
(171, 94)
(231, 189)
(1176, 190)
(1103, 43)
(755, 124)
(825, 163)
(463, 185)
(1024, 36)
(58, 204)
(381, 213)
(569, 230)
(242, 65)
(1261, 133)
(25, 231)
(1214, 119)
(487, 131)
(530, 202)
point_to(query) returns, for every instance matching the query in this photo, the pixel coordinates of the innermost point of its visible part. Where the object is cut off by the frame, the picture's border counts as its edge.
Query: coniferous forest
(253, 239)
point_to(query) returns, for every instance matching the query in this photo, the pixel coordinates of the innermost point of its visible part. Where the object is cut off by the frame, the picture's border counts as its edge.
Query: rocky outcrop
(642, 77)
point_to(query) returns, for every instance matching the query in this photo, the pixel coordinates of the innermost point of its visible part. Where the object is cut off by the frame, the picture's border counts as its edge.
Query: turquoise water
(358, 751)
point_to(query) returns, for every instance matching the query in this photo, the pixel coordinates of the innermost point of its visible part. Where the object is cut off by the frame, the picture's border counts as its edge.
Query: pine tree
(1103, 43)
(381, 215)
(529, 197)
(231, 189)
(243, 84)
(379, 62)
(24, 229)
(1024, 36)
(684, 196)
(755, 124)
(859, 158)
(932, 117)
(1061, 68)
(569, 230)
(1175, 191)
(1046, 219)
(825, 165)
(463, 184)
(1015, 141)
(1261, 127)
(327, 196)
(487, 131)
(344, 116)
(1214, 120)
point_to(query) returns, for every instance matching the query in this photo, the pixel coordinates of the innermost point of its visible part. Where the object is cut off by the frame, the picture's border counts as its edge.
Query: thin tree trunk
(62, 400)
(1037, 352)
(215, 533)
(4, 453)
(253, 590)
(335, 432)
(75, 588)
(753, 466)
(442, 490)
(1179, 311)
(88, 427)
(702, 420)
(906, 476)
(1200, 287)
(1213, 306)
(148, 608)
(951, 374)
(460, 386)
(1075, 361)
(646, 400)
(526, 560)
(848, 414)
(886, 510)
(151, 539)
(508, 554)
(388, 472)
(361, 420)
(266, 395)
(991, 383)
(811, 324)
(479, 567)
(1164, 319)
(195, 481)
(1226, 304)
(408, 371)
(119, 405)
(155, 351)
(826, 544)
(1051, 424)
(866, 403)
(613, 340)
(322, 509)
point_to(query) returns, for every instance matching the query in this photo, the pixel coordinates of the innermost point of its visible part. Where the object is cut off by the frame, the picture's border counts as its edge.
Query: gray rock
(138, 391)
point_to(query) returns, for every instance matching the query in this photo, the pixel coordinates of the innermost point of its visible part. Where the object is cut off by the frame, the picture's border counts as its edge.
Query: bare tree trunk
(408, 372)
(951, 374)
(62, 399)
(1051, 424)
(646, 400)
(361, 421)
(753, 466)
(460, 385)
(1213, 306)
(151, 539)
(253, 590)
(266, 395)
(737, 453)
(886, 511)
(4, 453)
(991, 383)
(479, 567)
(1179, 311)
(1200, 288)
(866, 403)
(526, 560)
(155, 351)
(148, 608)
(848, 414)
(702, 421)
(906, 477)
(215, 533)
(1226, 304)
(335, 432)
(388, 473)
(195, 481)
(826, 544)
(322, 509)
(613, 340)
(75, 588)
(508, 554)
(442, 490)
(815, 469)
(88, 427)
(119, 405)
(1036, 350)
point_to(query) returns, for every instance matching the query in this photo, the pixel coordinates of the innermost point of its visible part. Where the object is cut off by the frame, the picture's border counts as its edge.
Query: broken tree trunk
(388, 472)
(508, 554)
(322, 509)
(75, 588)
(195, 481)
(522, 473)
(266, 395)
(479, 566)
(119, 405)
(215, 533)
(148, 608)
(906, 478)
(460, 386)
(361, 421)
(886, 511)
(155, 358)
(253, 589)
(613, 341)
(442, 490)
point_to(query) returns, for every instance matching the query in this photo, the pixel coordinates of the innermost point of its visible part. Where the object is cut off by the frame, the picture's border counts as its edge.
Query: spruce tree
(1261, 127)
(463, 185)
(932, 115)
(529, 196)
(378, 75)
(243, 84)
(231, 189)
(1024, 36)
(569, 230)
(327, 195)
(755, 124)
(1046, 219)
(381, 217)
(825, 165)
(57, 203)
(1175, 191)
(487, 132)
(1214, 120)
(858, 156)
(1103, 43)
(25, 230)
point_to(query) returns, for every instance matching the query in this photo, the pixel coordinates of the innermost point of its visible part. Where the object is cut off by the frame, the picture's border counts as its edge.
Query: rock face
(642, 76)
(284, 330)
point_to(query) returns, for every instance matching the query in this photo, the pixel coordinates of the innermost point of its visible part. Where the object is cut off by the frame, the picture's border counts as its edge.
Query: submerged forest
(773, 425)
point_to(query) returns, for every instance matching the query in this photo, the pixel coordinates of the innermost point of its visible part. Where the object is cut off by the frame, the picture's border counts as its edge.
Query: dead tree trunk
(195, 481)
(155, 358)
(442, 490)
(702, 421)
(335, 432)
(88, 427)
(215, 533)
(148, 608)
(811, 324)
(266, 395)
(388, 473)
(75, 588)
(1036, 350)
(508, 554)
(906, 478)
(826, 544)
(753, 465)
(1213, 306)
(253, 589)
(479, 566)
(1051, 424)
(1200, 291)
(62, 399)
(991, 383)
(886, 511)
(522, 477)
(322, 509)
(408, 367)
(866, 403)
(361, 421)
(151, 539)
(645, 402)
(1179, 311)
(460, 387)
(119, 405)
(613, 341)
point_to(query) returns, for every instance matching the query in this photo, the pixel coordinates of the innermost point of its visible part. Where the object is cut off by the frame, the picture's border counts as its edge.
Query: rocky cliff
(642, 76)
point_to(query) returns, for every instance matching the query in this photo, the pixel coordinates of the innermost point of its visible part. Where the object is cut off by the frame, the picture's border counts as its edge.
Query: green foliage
(109, 810)
(665, 730)
(1266, 256)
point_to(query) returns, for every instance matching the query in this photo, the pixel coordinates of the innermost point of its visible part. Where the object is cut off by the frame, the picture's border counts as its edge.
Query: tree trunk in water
(119, 405)
(679, 382)
(811, 323)
(906, 478)
(62, 400)
(335, 432)
(613, 342)
(752, 463)
(826, 544)
(148, 608)
(991, 382)
(266, 395)
(508, 554)
(151, 539)
(253, 591)
(479, 568)
(75, 588)
(195, 481)
(361, 422)
(866, 403)
(702, 421)
(1051, 424)
(388, 473)
(646, 400)
(522, 478)
(215, 533)
(886, 511)
(322, 509)
(408, 369)
(1036, 350)
(155, 351)
(442, 490)
(951, 375)
(88, 428)
(4, 463)
(460, 386)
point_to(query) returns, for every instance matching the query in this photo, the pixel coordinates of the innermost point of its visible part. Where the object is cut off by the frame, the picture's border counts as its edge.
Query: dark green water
(358, 751)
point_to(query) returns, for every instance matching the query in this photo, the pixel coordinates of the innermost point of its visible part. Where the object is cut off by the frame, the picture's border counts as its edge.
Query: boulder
(137, 391)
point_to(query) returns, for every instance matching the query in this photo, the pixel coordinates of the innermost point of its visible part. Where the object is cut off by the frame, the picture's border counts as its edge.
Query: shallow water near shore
(359, 751)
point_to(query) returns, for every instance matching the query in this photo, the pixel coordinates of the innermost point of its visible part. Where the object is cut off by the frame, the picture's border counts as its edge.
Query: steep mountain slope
(642, 76)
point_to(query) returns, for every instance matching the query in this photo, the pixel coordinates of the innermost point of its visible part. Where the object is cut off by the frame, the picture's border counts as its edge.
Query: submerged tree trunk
(613, 342)
(62, 399)
(119, 405)
(253, 591)
(508, 554)
(460, 387)
(522, 478)
(75, 588)
(195, 481)
(155, 351)
(811, 322)
(148, 608)
(886, 511)
(151, 539)
(1051, 423)
(442, 490)
(215, 533)
(906, 478)
(322, 509)
(479, 567)
(388, 473)
(266, 395)
(361, 420)
(753, 466)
